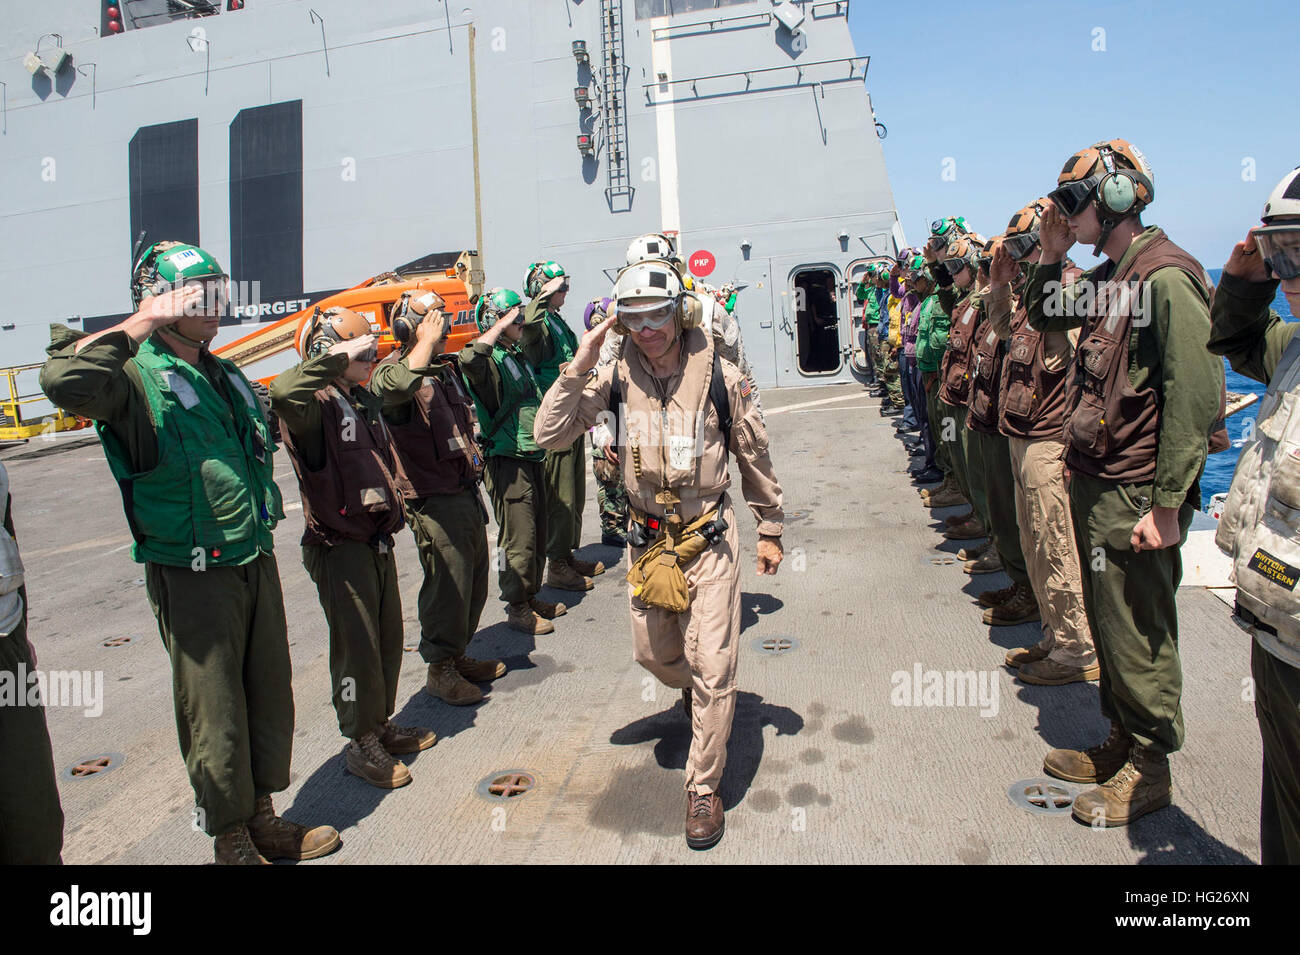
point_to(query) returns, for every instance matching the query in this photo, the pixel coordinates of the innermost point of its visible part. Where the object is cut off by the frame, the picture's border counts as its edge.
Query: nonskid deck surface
(825, 765)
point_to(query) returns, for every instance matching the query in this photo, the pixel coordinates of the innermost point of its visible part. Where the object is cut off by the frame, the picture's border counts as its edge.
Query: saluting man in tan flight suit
(677, 397)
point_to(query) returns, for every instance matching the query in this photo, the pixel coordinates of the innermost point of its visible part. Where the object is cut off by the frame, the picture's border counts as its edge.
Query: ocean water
(1219, 467)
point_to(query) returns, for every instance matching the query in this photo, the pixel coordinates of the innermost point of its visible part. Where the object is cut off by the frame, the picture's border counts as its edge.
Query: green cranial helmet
(492, 305)
(167, 265)
(538, 274)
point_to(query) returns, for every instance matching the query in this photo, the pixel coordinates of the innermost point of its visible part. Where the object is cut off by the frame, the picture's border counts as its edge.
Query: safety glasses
(1021, 244)
(1280, 248)
(1073, 197)
(634, 319)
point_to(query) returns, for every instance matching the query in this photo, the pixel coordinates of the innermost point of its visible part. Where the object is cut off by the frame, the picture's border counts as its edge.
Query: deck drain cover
(1049, 797)
(507, 786)
(99, 765)
(117, 642)
(411, 649)
(945, 561)
(795, 516)
(775, 646)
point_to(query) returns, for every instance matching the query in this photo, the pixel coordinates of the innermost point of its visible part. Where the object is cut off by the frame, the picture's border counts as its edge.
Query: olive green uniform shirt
(1245, 330)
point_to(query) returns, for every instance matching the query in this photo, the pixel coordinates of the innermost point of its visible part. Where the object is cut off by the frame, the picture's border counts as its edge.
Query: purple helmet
(595, 305)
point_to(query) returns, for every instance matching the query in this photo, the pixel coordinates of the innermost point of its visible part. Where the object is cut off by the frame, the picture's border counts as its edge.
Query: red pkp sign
(702, 263)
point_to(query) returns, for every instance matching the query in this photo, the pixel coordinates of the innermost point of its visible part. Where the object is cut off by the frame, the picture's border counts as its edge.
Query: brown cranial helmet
(1115, 173)
(321, 331)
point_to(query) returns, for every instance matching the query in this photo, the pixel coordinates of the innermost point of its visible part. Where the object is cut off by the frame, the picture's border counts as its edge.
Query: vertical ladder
(618, 181)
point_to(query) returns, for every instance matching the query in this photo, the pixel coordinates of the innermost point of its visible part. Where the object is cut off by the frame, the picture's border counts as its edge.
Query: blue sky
(1009, 89)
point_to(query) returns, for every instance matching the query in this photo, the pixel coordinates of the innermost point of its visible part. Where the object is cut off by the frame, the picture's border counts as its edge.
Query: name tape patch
(1278, 571)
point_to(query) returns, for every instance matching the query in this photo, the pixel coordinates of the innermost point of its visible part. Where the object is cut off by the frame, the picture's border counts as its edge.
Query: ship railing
(14, 426)
(747, 21)
(800, 68)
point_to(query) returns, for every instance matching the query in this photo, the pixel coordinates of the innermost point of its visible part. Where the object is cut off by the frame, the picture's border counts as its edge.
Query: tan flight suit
(697, 648)
(1043, 511)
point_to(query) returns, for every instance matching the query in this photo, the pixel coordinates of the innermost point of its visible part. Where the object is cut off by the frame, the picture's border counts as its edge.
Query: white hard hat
(1284, 200)
(655, 280)
(652, 245)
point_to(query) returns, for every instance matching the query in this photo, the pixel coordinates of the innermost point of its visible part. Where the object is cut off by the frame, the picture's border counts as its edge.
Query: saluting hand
(933, 247)
(158, 311)
(1054, 235)
(1003, 268)
(354, 347)
(769, 555)
(589, 348)
(1245, 262)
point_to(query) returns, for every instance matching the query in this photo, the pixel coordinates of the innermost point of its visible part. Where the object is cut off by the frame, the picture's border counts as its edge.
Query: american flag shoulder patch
(744, 388)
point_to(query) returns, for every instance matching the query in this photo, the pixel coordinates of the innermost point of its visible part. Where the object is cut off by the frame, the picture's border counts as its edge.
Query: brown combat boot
(400, 740)
(1021, 608)
(996, 598)
(588, 568)
(236, 848)
(367, 758)
(967, 530)
(944, 498)
(953, 520)
(1048, 672)
(1141, 785)
(1021, 655)
(704, 819)
(1096, 764)
(974, 551)
(446, 683)
(986, 563)
(278, 838)
(525, 619)
(547, 610)
(562, 575)
(479, 671)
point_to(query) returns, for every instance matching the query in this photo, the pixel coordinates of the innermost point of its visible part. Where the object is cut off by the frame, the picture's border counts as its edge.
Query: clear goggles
(954, 266)
(654, 315)
(1021, 244)
(1280, 247)
(1073, 197)
(216, 293)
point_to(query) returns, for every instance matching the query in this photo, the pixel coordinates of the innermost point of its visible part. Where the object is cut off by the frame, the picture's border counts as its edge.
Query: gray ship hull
(311, 149)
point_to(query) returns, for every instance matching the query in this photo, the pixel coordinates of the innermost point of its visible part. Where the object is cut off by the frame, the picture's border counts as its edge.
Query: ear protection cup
(319, 347)
(1117, 193)
(690, 312)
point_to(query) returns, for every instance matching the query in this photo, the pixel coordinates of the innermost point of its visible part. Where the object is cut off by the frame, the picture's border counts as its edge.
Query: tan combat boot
(1021, 608)
(949, 497)
(1096, 764)
(974, 551)
(367, 758)
(986, 563)
(705, 821)
(523, 618)
(547, 610)
(1141, 785)
(1021, 655)
(1048, 672)
(562, 575)
(278, 838)
(588, 568)
(400, 740)
(446, 683)
(236, 848)
(949, 483)
(479, 671)
(969, 529)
